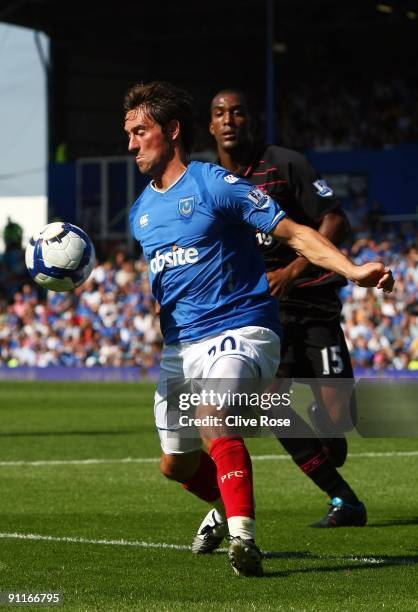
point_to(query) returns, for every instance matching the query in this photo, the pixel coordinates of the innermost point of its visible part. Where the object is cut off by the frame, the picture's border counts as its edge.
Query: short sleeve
(312, 192)
(242, 202)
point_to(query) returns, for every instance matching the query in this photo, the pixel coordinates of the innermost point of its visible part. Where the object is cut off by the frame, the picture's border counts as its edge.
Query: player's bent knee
(180, 467)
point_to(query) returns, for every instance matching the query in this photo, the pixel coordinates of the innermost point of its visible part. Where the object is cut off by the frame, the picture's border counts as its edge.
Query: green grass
(375, 568)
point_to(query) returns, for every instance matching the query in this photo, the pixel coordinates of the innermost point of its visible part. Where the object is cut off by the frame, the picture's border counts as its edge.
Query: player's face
(147, 140)
(230, 121)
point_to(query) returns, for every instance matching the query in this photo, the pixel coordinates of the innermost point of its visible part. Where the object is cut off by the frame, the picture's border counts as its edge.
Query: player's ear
(211, 130)
(173, 129)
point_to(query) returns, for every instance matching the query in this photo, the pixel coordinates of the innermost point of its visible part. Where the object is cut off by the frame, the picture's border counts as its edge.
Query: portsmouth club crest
(186, 206)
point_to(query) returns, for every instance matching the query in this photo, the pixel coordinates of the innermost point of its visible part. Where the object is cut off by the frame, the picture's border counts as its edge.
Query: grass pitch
(118, 530)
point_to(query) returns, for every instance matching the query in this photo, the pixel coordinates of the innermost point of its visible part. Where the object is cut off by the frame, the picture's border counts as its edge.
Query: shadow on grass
(412, 520)
(345, 563)
(359, 560)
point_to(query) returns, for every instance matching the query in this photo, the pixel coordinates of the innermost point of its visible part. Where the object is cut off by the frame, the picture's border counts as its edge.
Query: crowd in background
(111, 319)
(382, 329)
(377, 114)
(108, 321)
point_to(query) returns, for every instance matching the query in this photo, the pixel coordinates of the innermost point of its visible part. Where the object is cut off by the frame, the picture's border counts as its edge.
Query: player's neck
(171, 172)
(237, 161)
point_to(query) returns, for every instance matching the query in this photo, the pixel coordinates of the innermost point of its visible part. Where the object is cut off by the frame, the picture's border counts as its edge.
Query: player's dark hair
(237, 92)
(164, 102)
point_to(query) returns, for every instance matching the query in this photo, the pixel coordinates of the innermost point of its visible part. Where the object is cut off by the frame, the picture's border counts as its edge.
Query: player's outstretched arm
(321, 252)
(334, 226)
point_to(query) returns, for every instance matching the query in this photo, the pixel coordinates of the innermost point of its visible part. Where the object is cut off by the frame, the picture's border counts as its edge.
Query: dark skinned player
(314, 346)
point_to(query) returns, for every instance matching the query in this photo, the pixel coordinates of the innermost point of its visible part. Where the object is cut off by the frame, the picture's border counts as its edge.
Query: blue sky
(23, 142)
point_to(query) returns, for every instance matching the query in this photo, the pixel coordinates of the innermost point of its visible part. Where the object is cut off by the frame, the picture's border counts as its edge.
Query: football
(60, 257)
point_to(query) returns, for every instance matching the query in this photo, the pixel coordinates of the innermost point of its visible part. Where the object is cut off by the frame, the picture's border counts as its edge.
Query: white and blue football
(60, 257)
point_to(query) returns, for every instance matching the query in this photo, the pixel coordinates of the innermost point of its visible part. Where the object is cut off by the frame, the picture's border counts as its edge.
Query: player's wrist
(353, 272)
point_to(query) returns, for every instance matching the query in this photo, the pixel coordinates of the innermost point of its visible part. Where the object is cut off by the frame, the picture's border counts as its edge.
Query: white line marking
(165, 546)
(81, 461)
(156, 459)
(48, 538)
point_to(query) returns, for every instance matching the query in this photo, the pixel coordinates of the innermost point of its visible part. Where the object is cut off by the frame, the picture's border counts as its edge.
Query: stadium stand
(377, 114)
(382, 330)
(111, 320)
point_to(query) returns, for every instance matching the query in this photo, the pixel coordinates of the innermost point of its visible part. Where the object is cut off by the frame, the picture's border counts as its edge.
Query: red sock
(235, 476)
(203, 483)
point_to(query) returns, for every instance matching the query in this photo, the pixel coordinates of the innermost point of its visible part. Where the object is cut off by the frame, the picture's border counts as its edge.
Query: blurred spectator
(12, 235)
(12, 261)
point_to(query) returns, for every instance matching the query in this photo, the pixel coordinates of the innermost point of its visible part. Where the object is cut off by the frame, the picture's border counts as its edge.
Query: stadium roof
(98, 49)
(79, 20)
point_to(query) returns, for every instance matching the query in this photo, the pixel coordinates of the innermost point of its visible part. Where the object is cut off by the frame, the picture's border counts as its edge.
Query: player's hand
(386, 282)
(280, 280)
(374, 274)
(283, 279)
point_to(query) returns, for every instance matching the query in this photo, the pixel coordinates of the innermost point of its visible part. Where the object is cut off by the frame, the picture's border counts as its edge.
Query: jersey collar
(152, 185)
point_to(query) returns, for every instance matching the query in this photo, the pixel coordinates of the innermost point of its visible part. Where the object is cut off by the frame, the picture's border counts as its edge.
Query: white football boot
(210, 534)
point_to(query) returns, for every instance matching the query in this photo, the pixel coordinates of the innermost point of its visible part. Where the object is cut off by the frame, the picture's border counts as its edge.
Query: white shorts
(252, 352)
